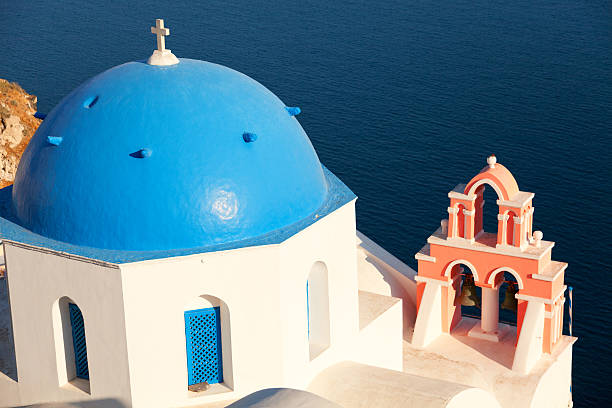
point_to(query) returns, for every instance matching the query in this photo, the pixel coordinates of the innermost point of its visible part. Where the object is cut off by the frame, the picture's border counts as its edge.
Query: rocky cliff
(17, 125)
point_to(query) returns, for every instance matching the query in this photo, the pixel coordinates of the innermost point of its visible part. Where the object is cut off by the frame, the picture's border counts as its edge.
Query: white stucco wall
(158, 293)
(264, 289)
(331, 241)
(553, 389)
(37, 280)
(380, 341)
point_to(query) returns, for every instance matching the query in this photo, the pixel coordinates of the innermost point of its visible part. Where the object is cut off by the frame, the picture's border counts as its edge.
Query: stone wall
(17, 125)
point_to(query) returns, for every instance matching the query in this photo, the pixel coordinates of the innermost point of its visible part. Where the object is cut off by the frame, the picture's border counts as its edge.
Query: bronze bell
(468, 292)
(510, 302)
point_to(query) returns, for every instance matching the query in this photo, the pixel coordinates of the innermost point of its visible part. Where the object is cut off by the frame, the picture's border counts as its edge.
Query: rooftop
(10, 230)
(160, 157)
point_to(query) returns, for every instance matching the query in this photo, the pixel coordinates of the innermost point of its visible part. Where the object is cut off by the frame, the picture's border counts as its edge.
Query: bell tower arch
(514, 248)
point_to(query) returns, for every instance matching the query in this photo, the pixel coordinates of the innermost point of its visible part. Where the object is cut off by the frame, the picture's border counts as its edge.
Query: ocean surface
(402, 100)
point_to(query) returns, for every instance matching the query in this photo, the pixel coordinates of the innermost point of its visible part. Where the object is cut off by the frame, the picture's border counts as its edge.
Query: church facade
(275, 315)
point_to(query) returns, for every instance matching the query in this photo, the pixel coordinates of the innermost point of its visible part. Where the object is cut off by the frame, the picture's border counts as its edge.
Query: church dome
(145, 157)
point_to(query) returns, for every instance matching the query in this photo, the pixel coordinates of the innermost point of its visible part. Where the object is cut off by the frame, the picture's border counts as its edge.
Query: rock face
(17, 125)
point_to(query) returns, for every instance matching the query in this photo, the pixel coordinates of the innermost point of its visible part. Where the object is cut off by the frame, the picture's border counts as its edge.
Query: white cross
(162, 55)
(161, 32)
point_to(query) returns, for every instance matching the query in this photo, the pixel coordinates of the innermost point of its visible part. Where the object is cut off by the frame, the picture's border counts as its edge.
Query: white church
(172, 240)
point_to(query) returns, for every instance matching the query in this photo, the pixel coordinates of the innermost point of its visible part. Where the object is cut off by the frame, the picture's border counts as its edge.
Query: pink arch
(499, 178)
(449, 267)
(491, 280)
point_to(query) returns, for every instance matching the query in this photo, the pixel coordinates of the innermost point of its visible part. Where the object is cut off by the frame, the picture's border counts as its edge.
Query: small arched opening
(467, 293)
(529, 223)
(208, 345)
(506, 283)
(487, 209)
(317, 309)
(70, 344)
(510, 228)
(461, 221)
(508, 288)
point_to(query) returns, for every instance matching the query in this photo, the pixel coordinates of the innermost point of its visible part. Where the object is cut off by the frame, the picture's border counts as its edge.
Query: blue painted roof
(338, 195)
(164, 158)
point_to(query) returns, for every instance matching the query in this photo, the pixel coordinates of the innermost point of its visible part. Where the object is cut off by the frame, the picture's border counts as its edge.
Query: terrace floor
(481, 363)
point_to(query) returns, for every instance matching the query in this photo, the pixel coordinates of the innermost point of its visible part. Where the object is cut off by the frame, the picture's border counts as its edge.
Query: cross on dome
(161, 33)
(161, 56)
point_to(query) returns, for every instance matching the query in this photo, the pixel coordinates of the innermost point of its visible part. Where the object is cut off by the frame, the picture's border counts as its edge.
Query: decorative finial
(444, 225)
(537, 236)
(161, 56)
(491, 160)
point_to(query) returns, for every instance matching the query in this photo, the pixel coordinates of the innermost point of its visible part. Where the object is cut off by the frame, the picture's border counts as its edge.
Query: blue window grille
(203, 335)
(78, 340)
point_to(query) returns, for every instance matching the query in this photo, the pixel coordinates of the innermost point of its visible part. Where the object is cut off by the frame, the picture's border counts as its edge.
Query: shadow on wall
(8, 364)
(100, 403)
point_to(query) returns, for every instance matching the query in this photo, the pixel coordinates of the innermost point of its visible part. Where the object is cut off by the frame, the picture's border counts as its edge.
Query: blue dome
(147, 157)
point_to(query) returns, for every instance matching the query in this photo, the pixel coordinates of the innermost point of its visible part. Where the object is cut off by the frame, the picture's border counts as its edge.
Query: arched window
(71, 344)
(78, 341)
(208, 345)
(317, 309)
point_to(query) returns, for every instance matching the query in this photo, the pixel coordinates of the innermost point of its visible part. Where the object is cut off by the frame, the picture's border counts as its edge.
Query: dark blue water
(402, 100)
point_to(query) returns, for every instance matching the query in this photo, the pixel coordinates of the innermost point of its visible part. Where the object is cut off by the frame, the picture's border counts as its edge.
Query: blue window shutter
(78, 340)
(203, 338)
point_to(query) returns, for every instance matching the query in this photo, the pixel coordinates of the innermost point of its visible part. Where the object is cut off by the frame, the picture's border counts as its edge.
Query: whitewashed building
(172, 239)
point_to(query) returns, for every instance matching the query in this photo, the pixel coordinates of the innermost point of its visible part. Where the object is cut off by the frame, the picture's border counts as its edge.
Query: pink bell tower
(461, 242)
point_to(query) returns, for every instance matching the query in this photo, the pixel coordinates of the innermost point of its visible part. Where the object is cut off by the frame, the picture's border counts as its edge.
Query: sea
(402, 99)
